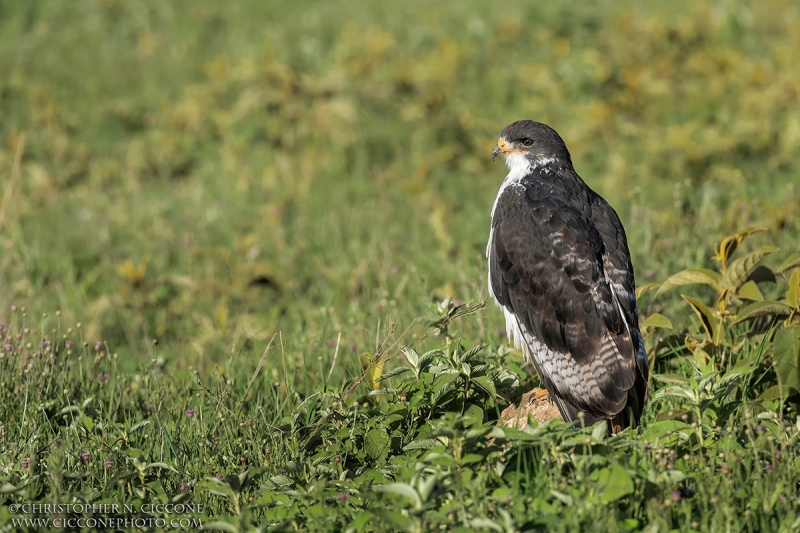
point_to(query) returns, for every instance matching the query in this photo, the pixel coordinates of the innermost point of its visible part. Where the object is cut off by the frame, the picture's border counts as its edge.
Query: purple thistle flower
(342, 497)
(353, 346)
(97, 346)
(86, 456)
(109, 464)
(8, 347)
(676, 496)
(768, 469)
(2, 326)
(45, 344)
(184, 486)
(330, 343)
(648, 447)
(103, 377)
(19, 336)
(150, 406)
(249, 422)
(24, 464)
(69, 344)
(761, 429)
(13, 308)
(218, 476)
(395, 271)
(189, 413)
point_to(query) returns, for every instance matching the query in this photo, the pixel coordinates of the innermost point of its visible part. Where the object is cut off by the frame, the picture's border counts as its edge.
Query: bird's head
(531, 144)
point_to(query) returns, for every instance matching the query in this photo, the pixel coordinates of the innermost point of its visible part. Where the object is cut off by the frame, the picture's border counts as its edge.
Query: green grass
(208, 177)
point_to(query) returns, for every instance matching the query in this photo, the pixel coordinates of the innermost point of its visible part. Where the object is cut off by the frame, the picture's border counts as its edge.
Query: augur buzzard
(560, 269)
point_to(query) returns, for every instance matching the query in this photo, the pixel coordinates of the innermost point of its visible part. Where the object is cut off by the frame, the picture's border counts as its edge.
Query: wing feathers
(559, 267)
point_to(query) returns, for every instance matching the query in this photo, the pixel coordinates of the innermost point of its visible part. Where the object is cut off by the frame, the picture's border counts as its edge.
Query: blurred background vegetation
(208, 173)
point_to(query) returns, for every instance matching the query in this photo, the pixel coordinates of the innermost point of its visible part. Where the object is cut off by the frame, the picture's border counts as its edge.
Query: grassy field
(241, 261)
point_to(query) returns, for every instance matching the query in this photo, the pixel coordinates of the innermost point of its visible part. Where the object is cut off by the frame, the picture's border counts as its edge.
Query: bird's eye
(527, 142)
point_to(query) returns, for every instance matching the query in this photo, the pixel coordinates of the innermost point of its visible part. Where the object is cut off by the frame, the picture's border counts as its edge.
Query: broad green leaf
(791, 261)
(394, 372)
(663, 429)
(737, 272)
(401, 489)
(793, 293)
(657, 320)
(765, 308)
(692, 276)
(613, 482)
(422, 444)
(776, 392)
(750, 291)
(486, 383)
(730, 243)
(376, 442)
(705, 315)
(786, 357)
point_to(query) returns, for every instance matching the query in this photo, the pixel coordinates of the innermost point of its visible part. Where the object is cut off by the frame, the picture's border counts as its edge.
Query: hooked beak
(497, 151)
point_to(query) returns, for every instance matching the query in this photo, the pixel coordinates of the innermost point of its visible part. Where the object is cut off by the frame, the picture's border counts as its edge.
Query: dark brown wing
(547, 268)
(619, 270)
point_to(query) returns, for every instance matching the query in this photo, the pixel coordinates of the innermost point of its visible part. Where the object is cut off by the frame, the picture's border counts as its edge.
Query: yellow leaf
(690, 276)
(222, 311)
(706, 316)
(793, 294)
(657, 320)
(730, 243)
(373, 368)
(750, 291)
(133, 273)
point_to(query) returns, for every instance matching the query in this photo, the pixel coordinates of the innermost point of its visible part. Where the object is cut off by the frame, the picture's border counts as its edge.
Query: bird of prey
(560, 269)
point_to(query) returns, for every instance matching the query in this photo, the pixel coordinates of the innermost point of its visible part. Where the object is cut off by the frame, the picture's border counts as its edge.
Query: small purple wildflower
(24, 464)
(768, 469)
(330, 343)
(97, 346)
(647, 447)
(218, 476)
(103, 377)
(342, 497)
(249, 422)
(649, 273)
(109, 464)
(8, 347)
(13, 308)
(69, 344)
(376, 305)
(2, 326)
(189, 413)
(353, 346)
(45, 344)
(676, 496)
(501, 333)
(457, 303)
(184, 486)
(19, 336)
(760, 428)
(86, 456)
(395, 271)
